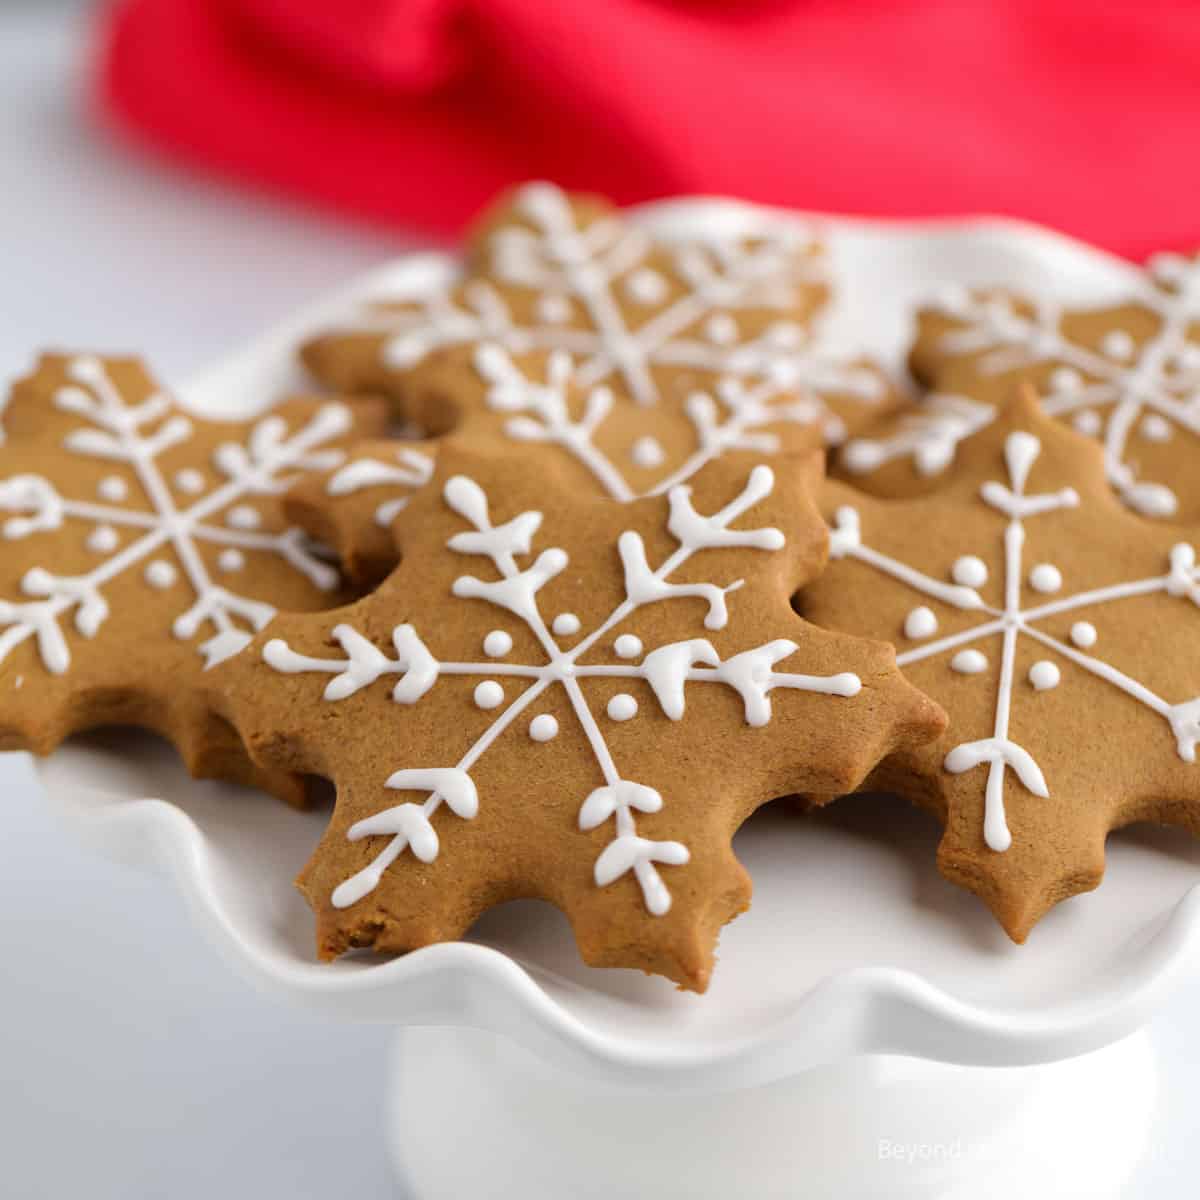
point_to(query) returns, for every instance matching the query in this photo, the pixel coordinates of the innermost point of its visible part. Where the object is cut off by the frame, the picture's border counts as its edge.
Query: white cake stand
(870, 1031)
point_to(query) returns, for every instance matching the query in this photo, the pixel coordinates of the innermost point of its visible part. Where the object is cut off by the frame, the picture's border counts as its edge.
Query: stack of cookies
(564, 570)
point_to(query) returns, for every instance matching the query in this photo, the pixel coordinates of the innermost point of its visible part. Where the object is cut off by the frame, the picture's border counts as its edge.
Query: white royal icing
(1066, 379)
(1045, 578)
(591, 267)
(104, 539)
(666, 669)
(1155, 380)
(920, 623)
(721, 329)
(1013, 622)
(137, 435)
(1118, 343)
(969, 662)
(1155, 428)
(1044, 675)
(693, 326)
(160, 574)
(411, 470)
(539, 411)
(646, 286)
(497, 643)
(647, 452)
(231, 560)
(553, 309)
(190, 480)
(565, 625)
(543, 727)
(243, 516)
(970, 570)
(1083, 634)
(628, 646)
(930, 436)
(113, 489)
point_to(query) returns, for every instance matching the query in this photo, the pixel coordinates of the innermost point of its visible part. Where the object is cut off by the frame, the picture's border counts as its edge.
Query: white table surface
(132, 1062)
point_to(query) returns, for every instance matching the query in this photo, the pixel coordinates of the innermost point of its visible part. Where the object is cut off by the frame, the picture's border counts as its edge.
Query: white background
(132, 1063)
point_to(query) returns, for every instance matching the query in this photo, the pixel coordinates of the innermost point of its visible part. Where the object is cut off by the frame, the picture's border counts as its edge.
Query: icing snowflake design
(1000, 752)
(539, 411)
(126, 535)
(1153, 387)
(667, 669)
(409, 469)
(599, 268)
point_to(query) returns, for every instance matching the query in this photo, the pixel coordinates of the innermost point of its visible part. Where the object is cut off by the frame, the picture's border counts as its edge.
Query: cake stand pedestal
(898, 1048)
(869, 1032)
(876, 1126)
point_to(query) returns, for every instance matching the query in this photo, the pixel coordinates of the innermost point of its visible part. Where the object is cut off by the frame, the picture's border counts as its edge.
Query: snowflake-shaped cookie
(560, 696)
(643, 319)
(142, 545)
(548, 271)
(1127, 375)
(1059, 631)
(609, 444)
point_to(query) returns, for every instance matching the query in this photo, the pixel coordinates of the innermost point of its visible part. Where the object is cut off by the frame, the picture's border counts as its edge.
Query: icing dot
(1044, 675)
(112, 487)
(835, 430)
(1087, 422)
(969, 662)
(920, 623)
(489, 694)
(553, 309)
(1065, 379)
(1156, 428)
(1117, 343)
(102, 539)
(785, 335)
(1045, 577)
(646, 452)
(189, 480)
(622, 707)
(231, 560)
(1083, 634)
(645, 286)
(969, 571)
(497, 644)
(565, 624)
(1188, 356)
(543, 727)
(628, 646)
(243, 517)
(160, 574)
(721, 329)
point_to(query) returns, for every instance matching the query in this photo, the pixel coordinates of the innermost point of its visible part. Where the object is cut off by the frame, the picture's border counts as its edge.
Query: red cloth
(1083, 116)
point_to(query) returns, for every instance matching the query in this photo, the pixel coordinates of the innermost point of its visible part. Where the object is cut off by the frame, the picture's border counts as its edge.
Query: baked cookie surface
(141, 546)
(1060, 632)
(559, 696)
(1127, 375)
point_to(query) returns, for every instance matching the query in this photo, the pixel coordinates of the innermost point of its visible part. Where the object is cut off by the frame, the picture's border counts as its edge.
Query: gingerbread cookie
(646, 316)
(1061, 633)
(142, 545)
(1127, 375)
(352, 507)
(610, 444)
(559, 696)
